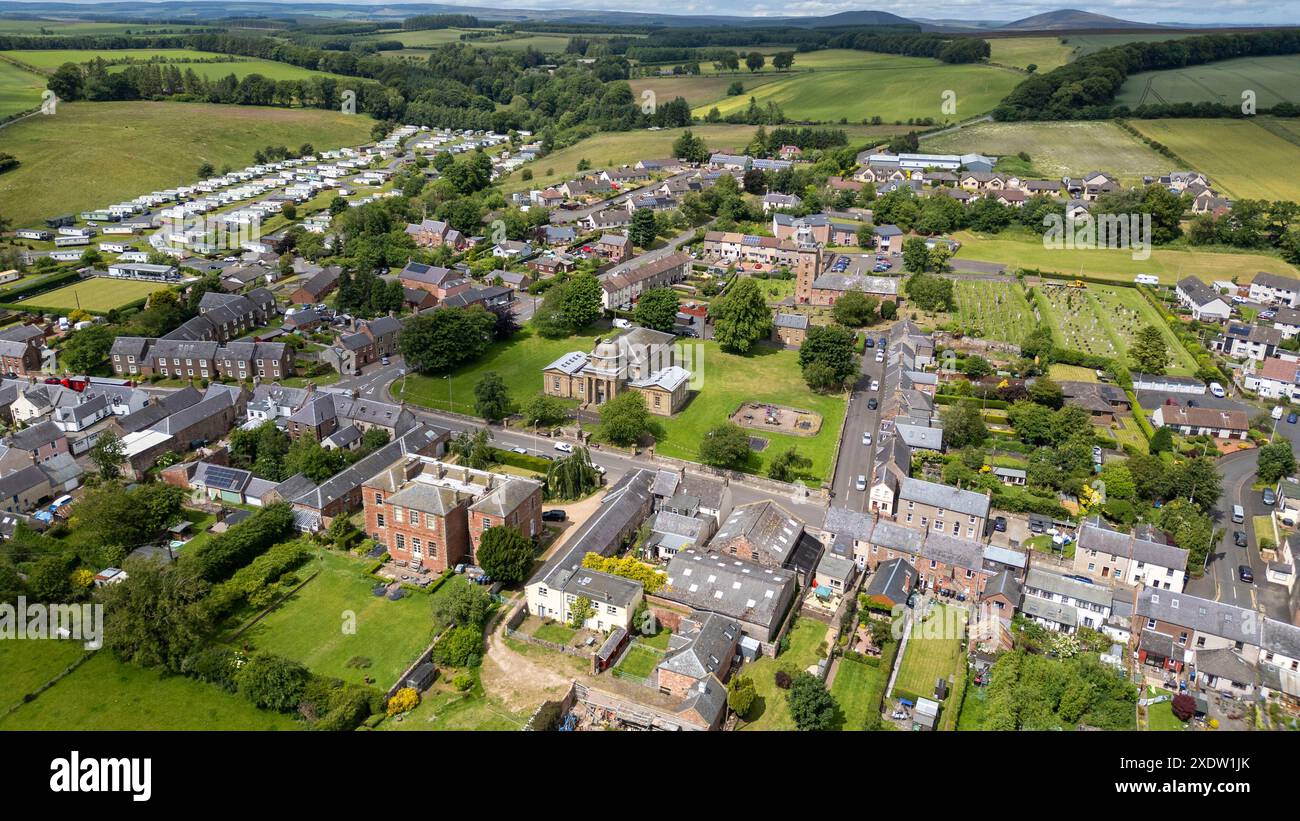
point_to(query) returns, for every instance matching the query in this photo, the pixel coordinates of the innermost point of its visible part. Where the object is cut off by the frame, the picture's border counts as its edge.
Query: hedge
(523, 461)
(953, 398)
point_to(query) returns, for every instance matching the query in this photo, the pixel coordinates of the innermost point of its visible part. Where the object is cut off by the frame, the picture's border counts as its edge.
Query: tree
(152, 619)
(580, 301)
(460, 647)
(740, 317)
(573, 476)
(465, 604)
(272, 682)
(754, 61)
(580, 612)
(1275, 461)
(657, 309)
(787, 464)
(782, 60)
(1183, 707)
(107, 454)
(916, 256)
(206, 170)
(963, 425)
(311, 459)
(446, 338)
(491, 398)
(690, 148)
(811, 707)
(827, 358)
(888, 309)
(543, 410)
(473, 448)
(624, 419)
(855, 309)
(740, 694)
(85, 350)
(1161, 441)
(1149, 353)
(1043, 391)
(725, 446)
(643, 229)
(505, 554)
(976, 366)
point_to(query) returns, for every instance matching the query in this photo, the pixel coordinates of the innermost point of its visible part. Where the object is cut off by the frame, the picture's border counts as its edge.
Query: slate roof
(36, 436)
(769, 529)
(720, 584)
(944, 496)
(701, 646)
(1094, 537)
(1214, 618)
(893, 580)
(621, 507)
(505, 498)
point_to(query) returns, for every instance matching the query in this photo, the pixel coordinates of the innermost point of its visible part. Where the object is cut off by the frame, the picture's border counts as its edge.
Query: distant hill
(1070, 19)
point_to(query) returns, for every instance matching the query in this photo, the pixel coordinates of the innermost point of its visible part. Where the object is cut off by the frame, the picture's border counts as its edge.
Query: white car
(866, 438)
(861, 484)
(875, 384)
(598, 469)
(524, 451)
(564, 447)
(622, 323)
(880, 356)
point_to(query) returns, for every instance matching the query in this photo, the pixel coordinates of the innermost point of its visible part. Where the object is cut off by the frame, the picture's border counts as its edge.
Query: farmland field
(993, 310)
(184, 59)
(1045, 52)
(19, 89)
(1271, 78)
(1170, 264)
(1105, 320)
(697, 90)
(96, 294)
(1250, 169)
(106, 694)
(136, 147)
(1058, 149)
(433, 38)
(888, 86)
(52, 28)
(1081, 44)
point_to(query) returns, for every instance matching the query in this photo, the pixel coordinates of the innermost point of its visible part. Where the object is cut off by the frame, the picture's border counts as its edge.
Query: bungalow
(1274, 378)
(1216, 422)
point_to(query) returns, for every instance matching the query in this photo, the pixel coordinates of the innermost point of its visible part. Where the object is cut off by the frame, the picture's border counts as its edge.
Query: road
(857, 459)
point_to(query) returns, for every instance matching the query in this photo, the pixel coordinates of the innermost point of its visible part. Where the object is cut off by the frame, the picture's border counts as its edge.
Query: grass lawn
(1045, 52)
(1126, 312)
(19, 89)
(892, 87)
(1160, 717)
(308, 627)
(768, 374)
(659, 640)
(928, 657)
(105, 694)
(1058, 149)
(857, 690)
(26, 665)
(1018, 250)
(136, 147)
(444, 707)
(994, 310)
(555, 633)
(1071, 373)
(1128, 433)
(770, 711)
(1241, 157)
(96, 294)
(519, 361)
(639, 661)
(1272, 78)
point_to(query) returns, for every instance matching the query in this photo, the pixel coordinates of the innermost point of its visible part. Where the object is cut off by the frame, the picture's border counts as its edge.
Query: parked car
(621, 323)
(523, 451)
(598, 469)
(554, 516)
(1239, 538)
(880, 356)
(1291, 417)
(1000, 524)
(866, 438)
(861, 484)
(871, 343)
(1270, 498)
(564, 447)
(383, 360)
(875, 384)
(1245, 573)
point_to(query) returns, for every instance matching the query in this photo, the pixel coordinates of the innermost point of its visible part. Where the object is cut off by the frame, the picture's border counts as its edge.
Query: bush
(782, 679)
(272, 683)
(1184, 707)
(403, 701)
(462, 681)
(460, 647)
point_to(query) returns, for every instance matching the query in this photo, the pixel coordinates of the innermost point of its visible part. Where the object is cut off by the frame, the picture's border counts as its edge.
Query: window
(1200, 640)
(542, 591)
(397, 514)
(379, 519)
(611, 609)
(379, 498)
(415, 517)
(401, 542)
(1151, 624)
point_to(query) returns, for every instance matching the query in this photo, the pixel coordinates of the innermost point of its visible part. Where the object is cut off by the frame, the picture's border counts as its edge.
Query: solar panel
(223, 478)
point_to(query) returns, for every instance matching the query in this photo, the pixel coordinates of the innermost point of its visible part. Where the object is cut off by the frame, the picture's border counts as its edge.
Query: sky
(1229, 12)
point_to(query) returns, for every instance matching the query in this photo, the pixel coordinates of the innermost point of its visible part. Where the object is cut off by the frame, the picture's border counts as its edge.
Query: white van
(1277, 412)
(1217, 390)
(1147, 279)
(1238, 514)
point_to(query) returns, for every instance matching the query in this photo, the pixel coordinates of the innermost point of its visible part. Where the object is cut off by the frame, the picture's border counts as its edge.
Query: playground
(777, 419)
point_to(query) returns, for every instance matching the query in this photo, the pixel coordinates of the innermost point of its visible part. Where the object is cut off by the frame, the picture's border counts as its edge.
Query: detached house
(1204, 302)
(1221, 424)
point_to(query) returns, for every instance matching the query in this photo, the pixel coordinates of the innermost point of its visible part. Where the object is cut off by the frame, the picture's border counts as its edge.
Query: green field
(52, 28)
(20, 90)
(26, 665)
(184, 59)
(768, 374)
(1081, 44)
(1045, 52)
(308, 627)
(432, 38)
(1058, 149)
(1271, 78)
(137, 147)
(1170, 264)
(698, 89)
(891, 87)
(770, 710)
(105, 694)
(1250, 169)
(993, 310)
(97, 294)
(927, 659)
(856, 690)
